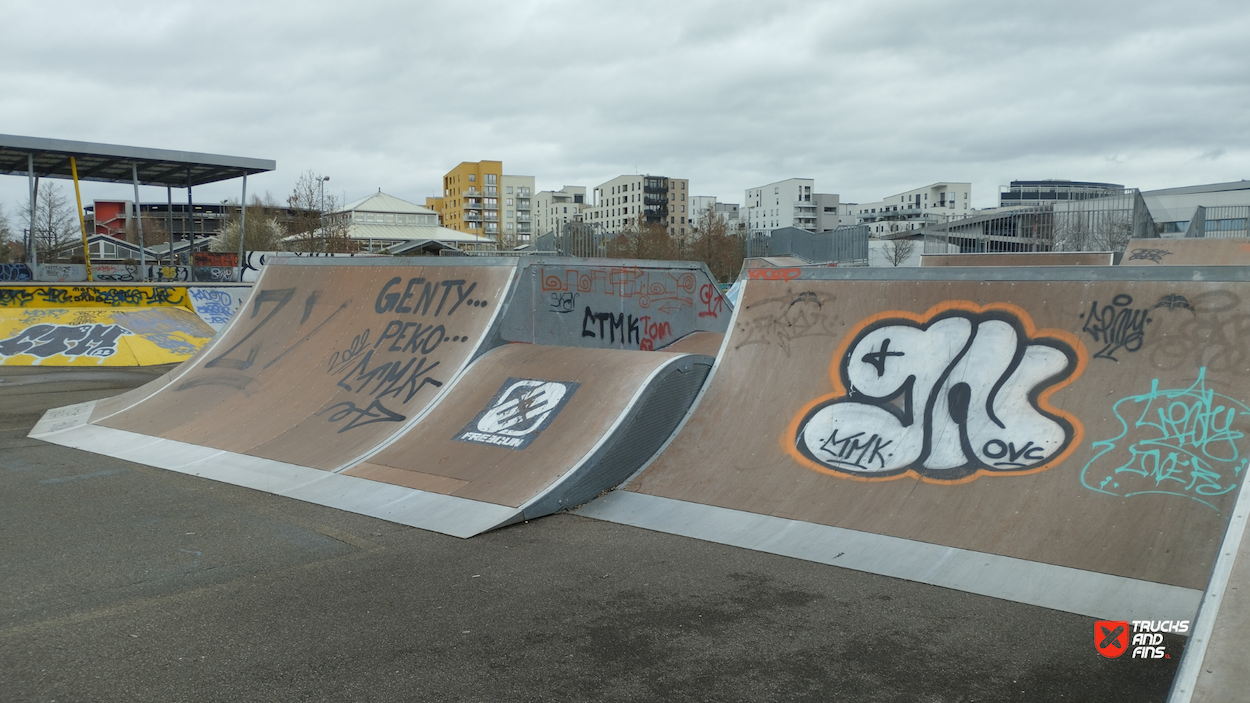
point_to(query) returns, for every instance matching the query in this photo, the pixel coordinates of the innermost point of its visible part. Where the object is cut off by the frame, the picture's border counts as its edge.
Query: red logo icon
(1111, 638)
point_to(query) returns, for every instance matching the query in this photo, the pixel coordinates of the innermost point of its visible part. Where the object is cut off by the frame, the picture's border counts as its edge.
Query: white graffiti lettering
(46, 341)
(943, 398)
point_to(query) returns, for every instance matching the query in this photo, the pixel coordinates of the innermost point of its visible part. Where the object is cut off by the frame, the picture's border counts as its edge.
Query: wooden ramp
(1071, 438)
(1187, 252)
(373, 387)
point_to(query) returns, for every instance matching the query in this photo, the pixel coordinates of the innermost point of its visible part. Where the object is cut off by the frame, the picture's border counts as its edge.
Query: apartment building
(787, 203)
(479, 198)
(553, 209)
(728, 212)
(914, 209)
(518, 213)
(648, 199)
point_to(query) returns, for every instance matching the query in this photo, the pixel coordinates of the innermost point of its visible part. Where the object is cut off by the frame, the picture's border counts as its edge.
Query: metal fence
(846, 245)
(1097, 224)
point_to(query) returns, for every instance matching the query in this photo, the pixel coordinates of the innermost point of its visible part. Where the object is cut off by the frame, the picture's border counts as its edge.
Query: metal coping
(1215, 274)
(111, 163)
(408, 261)
(479, 261)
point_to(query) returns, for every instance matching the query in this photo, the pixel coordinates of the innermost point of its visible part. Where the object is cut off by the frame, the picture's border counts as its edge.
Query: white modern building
(647, 199)
(553, 209)
(518, 217)
(785, 203)
(727, 212)
(916, 208)
(380, 221)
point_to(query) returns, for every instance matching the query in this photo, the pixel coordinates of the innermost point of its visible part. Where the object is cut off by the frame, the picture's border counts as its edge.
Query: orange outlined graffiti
(957, 393)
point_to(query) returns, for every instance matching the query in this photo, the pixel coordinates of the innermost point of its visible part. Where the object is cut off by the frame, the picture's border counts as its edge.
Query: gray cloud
(869, 98)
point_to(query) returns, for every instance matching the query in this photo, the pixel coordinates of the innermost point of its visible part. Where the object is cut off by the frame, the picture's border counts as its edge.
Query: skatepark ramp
(1187, 252)
(110, 325)
(390, 388)
(1068, 437)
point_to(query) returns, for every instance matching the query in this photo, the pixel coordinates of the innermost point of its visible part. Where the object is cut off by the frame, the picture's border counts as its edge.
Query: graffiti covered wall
(99, 336)
(352, 351)
(1102, 426)
(613, 307)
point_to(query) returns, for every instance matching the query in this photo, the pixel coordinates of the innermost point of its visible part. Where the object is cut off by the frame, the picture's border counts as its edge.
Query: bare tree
(56, 226)
(305, 227)
(718, 247)
(8, 253)
(897, 251)
(641, 240)
(154, 231)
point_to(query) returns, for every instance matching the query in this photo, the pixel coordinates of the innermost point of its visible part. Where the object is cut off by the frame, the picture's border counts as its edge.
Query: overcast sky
(868, 98)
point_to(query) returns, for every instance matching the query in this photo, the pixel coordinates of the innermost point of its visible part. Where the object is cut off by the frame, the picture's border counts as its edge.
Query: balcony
(523, 205)
(522, 218)
(472, 206)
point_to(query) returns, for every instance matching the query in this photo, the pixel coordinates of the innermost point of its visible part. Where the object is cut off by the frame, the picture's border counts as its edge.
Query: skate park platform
(1187, 252)
(1045, 435)
(428, 394)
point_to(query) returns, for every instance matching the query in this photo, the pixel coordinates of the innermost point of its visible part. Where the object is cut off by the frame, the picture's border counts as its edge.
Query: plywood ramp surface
(698, 343)
(1067, 423)
(325, 362)
(575, 398)
(1187, 252)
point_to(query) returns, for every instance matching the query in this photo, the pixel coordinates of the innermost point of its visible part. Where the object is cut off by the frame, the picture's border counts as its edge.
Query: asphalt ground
(122, 582)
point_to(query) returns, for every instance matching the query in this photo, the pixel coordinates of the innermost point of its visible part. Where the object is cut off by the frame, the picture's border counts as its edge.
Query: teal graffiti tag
(1183, 443)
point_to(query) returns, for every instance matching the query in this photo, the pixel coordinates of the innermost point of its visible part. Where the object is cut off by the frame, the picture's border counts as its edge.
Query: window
(472, 177)
(509, 190)
(509, 201)
(490, 179)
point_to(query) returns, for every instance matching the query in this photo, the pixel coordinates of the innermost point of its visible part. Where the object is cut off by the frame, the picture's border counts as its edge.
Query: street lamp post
(321, 183)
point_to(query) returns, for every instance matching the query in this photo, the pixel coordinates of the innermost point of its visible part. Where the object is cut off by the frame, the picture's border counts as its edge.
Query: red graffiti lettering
(774, 274)
(711, 298)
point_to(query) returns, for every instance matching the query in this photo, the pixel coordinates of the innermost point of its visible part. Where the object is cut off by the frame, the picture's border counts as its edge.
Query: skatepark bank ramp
(387, 387)
(1066, 437)
(111, 325)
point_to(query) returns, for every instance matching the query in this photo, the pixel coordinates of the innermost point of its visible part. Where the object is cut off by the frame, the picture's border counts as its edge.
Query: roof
(111, 163)
(381, 202)
(1193, 190)
(414, 233)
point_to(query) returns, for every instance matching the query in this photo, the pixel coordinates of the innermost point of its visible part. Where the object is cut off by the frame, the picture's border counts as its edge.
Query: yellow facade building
(470, 201)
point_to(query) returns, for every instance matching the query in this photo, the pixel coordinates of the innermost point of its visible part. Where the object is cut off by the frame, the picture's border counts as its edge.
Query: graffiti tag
(762, 274)
(1153, 255)
(666, 290)
(46, 341)
(15, 272)
(783, 320)
(1116, 326)
(959, 392)
(1180, 442)
(712, 301)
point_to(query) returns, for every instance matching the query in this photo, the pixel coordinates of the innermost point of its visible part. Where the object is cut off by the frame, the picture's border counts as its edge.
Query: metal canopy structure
(37, 158)
(112, 163)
